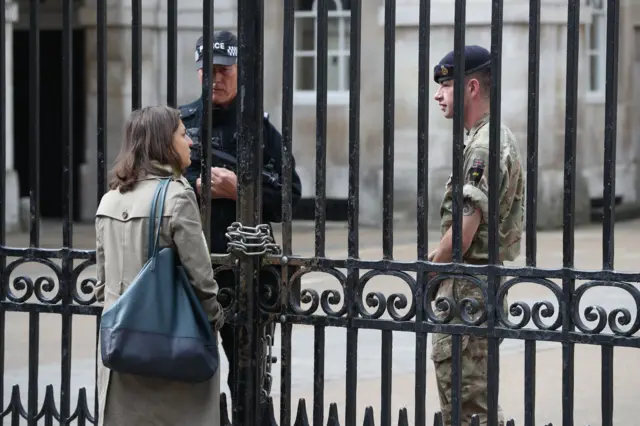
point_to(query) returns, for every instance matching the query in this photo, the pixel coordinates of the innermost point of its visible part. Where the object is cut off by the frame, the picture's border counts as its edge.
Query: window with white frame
(596, 42)
(305, 50)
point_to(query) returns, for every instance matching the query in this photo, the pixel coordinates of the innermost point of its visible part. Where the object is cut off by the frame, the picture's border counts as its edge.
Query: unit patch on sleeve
(476, 170)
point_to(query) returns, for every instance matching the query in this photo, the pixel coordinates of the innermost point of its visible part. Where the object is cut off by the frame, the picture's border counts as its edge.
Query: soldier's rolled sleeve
(476, 179)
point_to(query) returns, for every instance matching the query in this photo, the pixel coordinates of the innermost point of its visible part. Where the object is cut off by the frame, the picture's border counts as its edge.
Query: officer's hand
(224, 183)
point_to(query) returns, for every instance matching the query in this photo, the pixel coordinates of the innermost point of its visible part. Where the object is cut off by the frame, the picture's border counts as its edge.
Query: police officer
(475, 228)
(224, 181)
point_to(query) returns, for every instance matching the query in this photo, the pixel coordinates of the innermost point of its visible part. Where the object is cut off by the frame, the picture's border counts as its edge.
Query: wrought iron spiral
(541, 309)
(41, 287)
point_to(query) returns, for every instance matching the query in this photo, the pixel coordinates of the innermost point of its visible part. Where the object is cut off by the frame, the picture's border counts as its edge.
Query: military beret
(476, 58)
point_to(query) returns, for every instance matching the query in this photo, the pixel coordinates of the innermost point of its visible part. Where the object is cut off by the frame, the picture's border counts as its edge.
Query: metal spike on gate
(224, 411)
(437, 419)
(15, 406)
(333, 415)
(82, 413)
(268, 415)
(511, 422)
(49, 411)
(368, 417)
(301, 416)
(403, 417)
(475, 420)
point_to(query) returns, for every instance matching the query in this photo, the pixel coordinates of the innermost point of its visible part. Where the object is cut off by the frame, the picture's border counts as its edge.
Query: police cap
(225, 49)
(476, 58)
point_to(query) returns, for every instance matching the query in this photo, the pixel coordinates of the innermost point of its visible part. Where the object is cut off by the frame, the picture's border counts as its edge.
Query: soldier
(475, 226)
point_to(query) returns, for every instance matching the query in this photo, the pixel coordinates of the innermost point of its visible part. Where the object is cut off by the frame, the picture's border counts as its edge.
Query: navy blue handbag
(158, 327)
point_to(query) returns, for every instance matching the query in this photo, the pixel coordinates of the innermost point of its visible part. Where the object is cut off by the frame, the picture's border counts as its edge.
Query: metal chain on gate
(256, 241)
(267, 361)
(251, 241)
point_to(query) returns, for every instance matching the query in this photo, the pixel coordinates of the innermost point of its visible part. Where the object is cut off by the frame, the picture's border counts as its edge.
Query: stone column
(12, 195)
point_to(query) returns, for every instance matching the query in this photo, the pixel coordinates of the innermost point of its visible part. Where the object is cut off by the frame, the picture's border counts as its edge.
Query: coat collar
(166, 168)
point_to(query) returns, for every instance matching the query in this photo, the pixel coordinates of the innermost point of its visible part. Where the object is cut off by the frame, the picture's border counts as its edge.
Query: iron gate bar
(387, 196)
(250, 118)
(495, 133)
(66, 282)
(424, 77)
(3, 189)
(286, 329)
(610, 135)
(34, 193)
(388, 127)
(533, 112)
(101, 119)
(353, 243)
(207, 132)
(172, 52)
(318, 374)
(458, 129)
(136, 54)
(320, 202)
(422, 205)
(609, 192)
(531, 196)
(321, 123)
(568, 284)
(34, 123)
(456, 181)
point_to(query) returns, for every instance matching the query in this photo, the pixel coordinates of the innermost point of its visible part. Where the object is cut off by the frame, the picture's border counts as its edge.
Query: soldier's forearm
(470, 222)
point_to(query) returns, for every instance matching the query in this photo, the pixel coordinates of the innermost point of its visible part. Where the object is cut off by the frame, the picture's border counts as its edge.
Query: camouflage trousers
(474, 357)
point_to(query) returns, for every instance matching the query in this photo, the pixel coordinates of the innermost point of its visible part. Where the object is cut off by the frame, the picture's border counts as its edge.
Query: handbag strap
(155, 215)
(152, 221)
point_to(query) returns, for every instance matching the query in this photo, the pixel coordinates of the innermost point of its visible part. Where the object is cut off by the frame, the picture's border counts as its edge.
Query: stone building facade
(592, 54)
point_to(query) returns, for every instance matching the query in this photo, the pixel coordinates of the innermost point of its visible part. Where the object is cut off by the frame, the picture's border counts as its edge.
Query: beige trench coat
(121, 234)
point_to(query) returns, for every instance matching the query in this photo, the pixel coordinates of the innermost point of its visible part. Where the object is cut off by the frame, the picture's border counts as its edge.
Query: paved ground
(549, 359)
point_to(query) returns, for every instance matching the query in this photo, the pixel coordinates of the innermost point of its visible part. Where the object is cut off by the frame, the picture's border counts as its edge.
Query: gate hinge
(251, 241)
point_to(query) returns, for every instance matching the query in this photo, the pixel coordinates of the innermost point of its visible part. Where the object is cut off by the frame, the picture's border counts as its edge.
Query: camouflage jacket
(475, 181)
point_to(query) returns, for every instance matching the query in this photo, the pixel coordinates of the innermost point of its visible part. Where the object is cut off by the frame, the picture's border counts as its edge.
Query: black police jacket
(223, 211)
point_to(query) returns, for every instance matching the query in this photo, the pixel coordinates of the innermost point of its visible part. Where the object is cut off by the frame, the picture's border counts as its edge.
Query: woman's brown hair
(147, 144)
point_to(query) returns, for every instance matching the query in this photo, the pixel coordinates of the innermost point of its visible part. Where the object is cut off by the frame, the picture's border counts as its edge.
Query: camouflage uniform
(476, 189)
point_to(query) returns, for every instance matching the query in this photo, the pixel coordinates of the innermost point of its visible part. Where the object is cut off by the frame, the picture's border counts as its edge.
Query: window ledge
(595, 98)
(309, 97)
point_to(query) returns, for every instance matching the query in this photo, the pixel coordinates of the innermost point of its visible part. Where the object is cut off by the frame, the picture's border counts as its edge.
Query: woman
(155, 145)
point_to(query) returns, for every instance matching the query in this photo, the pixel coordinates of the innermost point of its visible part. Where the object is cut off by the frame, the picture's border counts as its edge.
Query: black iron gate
(253, 307)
